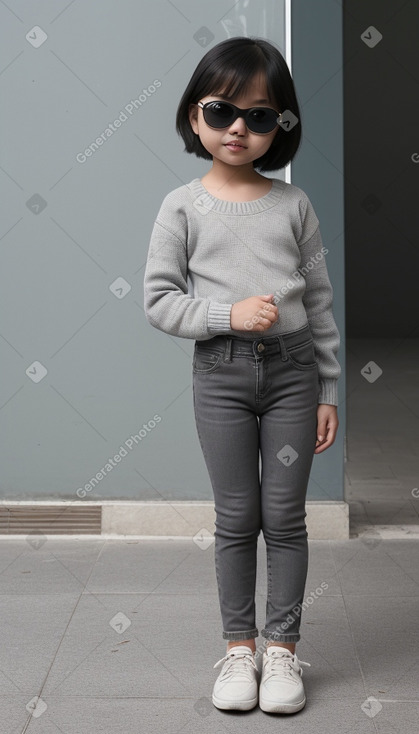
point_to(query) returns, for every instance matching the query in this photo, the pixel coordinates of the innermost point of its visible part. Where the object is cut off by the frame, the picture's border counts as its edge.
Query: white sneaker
(281, 688)
(237, 685)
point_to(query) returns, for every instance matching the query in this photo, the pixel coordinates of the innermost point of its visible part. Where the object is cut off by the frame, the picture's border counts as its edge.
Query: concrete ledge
(325, 520)
(173, 519)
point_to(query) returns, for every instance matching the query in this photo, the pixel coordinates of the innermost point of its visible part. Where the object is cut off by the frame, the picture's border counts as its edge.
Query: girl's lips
(235, 146)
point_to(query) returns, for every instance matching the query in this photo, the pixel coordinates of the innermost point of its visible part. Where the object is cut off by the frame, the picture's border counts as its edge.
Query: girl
(236, 262)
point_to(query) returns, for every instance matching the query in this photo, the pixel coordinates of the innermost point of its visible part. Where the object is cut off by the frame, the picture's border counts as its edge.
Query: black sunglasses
(260, 120)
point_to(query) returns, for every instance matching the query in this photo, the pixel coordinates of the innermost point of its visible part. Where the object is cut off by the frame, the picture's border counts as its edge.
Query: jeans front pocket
(303, 356)
(205, 361)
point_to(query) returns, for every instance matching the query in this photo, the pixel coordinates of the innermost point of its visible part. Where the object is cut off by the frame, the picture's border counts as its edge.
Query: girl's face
(216, 141)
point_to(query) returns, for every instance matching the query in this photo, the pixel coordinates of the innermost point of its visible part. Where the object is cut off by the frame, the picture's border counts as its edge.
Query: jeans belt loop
(227, 353)
(284, 354)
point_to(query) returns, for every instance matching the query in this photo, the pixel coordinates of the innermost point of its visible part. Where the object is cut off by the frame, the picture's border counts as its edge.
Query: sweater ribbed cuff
(219, 317)
(328, 392)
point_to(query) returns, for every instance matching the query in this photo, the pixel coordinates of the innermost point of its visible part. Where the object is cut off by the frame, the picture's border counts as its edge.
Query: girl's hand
(327, 426)
(257, 313)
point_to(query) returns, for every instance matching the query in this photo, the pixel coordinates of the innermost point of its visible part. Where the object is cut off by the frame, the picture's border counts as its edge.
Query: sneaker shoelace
(285, 662)
(237, 663)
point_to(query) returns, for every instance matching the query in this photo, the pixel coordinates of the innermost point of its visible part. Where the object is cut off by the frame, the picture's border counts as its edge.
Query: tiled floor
(120, 636)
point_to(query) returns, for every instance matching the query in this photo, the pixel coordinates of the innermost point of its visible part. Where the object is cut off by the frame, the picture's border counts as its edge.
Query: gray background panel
(74, 240)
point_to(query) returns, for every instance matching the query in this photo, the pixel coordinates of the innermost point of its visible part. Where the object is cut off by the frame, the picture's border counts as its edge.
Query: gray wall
(82, 371)
(382, 168)
(74, 225)
(318, 168)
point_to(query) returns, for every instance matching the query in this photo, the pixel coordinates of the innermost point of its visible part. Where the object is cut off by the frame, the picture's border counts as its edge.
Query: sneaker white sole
(220, 703)
(272, 707)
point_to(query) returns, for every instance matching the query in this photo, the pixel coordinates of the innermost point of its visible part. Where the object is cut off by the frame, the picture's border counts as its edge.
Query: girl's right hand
(257, 313)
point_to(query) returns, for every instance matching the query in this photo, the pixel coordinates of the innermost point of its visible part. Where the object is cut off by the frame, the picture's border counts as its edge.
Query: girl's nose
(238, 126)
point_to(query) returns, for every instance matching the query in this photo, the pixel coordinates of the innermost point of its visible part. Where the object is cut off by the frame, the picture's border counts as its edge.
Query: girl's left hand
(327, 426)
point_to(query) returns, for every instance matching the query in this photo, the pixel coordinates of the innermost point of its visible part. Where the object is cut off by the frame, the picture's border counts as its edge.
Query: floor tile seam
(12, 594)
(354, 646)
(375, 529)
(382, 527)
(349, 625)
(187, 594)
(408, 576)
(407, 536)
(214, 594)
(381, 596)
(333, 699)
(335, 561)
(64, 633)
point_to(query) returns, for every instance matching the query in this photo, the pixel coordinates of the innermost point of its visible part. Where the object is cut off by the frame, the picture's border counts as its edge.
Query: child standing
(236, 262)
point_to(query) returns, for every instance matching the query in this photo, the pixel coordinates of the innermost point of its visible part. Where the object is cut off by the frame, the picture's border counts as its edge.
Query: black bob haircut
(227, 69)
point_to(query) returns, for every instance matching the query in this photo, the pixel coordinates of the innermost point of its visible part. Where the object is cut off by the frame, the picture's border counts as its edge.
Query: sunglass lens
(218, 114)
(262, 120)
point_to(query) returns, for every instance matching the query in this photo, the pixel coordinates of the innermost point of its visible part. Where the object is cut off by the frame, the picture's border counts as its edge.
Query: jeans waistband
(260, 347)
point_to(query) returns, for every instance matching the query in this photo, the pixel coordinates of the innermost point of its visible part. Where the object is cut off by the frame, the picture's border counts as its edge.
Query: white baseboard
(187, 519)
(325, 520)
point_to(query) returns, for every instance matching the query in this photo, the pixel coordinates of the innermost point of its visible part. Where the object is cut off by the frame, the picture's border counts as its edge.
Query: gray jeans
(256, 416)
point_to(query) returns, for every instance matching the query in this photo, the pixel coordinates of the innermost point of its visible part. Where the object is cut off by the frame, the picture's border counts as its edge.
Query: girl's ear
(193, 117)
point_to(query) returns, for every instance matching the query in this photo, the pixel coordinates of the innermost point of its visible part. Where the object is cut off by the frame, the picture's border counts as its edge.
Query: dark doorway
(381, 105)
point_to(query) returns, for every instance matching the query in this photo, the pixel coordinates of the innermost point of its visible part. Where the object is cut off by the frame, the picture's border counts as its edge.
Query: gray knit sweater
(206, 254)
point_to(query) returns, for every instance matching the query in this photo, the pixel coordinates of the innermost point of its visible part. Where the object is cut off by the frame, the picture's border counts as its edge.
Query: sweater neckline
(206, 201)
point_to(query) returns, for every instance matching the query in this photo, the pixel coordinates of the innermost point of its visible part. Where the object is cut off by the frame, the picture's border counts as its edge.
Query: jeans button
(260, 347)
